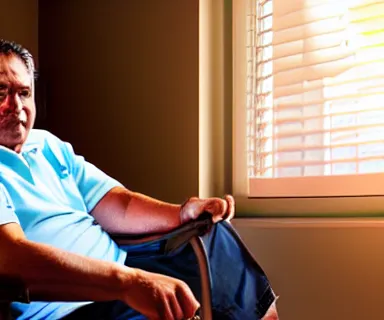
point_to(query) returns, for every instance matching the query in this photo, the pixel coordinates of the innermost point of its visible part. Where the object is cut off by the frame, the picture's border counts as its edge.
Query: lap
(240, 289)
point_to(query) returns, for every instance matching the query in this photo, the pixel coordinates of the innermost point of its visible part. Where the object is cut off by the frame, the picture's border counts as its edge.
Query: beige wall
(321, 269)
(19, 22)
(147, 77)
(123, 88)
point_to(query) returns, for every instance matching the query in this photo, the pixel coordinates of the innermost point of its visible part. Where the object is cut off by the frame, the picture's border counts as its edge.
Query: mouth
(13, 120)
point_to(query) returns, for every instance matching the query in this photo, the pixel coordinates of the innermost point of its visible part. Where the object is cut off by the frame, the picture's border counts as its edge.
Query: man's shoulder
(39, 134)
(51, 146)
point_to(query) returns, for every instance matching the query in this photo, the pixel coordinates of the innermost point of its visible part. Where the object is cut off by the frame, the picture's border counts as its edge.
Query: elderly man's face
(17, 105)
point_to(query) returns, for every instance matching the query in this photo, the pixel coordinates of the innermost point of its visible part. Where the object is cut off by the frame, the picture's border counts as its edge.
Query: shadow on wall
(127, 97)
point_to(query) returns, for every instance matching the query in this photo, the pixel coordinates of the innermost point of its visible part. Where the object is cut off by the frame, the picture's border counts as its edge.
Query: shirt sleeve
(92, 182)
(7, 211)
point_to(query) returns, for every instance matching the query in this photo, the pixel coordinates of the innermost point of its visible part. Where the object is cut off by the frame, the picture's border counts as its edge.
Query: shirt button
(64, 171)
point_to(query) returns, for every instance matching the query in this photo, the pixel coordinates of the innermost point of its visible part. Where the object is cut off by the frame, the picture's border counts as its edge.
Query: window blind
(315, 97)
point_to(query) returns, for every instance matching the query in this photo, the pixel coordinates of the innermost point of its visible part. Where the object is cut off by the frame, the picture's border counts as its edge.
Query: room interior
(130, 85)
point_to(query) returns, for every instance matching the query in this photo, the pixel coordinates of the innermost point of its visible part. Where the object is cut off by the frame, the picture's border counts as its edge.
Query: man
(50, 200)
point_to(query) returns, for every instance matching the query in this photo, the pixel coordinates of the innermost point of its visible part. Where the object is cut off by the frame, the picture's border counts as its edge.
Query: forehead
(13, 70)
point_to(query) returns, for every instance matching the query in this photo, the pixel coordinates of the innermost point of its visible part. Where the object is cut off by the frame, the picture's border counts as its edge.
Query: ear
(40, 92)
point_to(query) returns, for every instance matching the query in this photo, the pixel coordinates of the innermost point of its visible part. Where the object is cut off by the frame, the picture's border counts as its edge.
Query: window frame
(323, 206)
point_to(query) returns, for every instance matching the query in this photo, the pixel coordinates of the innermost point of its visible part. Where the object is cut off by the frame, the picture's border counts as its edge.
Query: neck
(17, 148)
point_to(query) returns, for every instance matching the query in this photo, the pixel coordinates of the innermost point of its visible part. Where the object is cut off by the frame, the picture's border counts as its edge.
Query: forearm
(158, 216)
(124, 211)
(54, 274)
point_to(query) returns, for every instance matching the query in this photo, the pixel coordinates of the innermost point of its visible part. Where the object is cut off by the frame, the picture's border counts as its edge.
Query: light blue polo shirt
(50, 191)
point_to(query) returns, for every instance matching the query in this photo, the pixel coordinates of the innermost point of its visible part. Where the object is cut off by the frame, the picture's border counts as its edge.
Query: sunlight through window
(315, 84)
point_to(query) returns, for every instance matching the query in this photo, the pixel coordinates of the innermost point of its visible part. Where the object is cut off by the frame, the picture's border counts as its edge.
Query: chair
(11, 289)
(15, 290)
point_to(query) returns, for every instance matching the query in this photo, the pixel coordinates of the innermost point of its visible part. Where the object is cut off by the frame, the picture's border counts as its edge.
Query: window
(309, 98)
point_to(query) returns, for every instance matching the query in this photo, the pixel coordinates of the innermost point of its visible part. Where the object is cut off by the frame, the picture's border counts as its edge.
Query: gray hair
(10, 47)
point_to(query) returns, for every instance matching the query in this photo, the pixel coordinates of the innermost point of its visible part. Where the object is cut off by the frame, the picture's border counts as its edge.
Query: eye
(25, 93)
(3, 92)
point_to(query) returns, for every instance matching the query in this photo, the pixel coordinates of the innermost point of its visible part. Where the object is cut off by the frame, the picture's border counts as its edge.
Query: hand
(159, 297)
(221, 209)
(271, 313)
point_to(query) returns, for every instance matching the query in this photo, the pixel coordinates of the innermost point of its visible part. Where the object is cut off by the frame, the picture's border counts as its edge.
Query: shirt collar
(32, 145)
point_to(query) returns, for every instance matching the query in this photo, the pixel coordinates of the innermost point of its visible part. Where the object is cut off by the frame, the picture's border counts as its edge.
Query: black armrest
(12, 289)
(188, 232)
(175, 238)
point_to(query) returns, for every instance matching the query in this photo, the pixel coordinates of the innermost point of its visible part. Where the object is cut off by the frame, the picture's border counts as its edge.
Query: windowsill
(308, 222)
(342, 207)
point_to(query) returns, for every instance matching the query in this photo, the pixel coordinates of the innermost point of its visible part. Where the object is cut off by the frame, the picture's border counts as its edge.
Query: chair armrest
(12, 289)
(188, 232)
(175, 238)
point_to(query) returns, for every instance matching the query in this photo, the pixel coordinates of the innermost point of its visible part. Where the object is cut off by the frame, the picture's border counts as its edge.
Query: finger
(271, 313)
(187, 302)
(231, 207)
(177, 311)
(217, 207)
(191, 209)
(164, 309)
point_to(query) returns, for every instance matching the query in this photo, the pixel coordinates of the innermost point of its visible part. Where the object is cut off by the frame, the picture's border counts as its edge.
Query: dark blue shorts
(240, 288)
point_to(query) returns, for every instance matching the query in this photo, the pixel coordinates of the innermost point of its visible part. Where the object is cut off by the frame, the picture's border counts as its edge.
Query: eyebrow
(18, 84)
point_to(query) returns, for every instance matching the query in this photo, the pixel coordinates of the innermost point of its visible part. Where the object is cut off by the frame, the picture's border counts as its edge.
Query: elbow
(13, 258)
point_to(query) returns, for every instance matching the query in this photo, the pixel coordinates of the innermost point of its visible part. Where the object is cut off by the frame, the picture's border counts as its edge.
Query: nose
(13, 102)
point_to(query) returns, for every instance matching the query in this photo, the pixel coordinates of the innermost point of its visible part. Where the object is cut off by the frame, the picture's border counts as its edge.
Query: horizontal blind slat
(372, 74)
(283, 8)
(358, 112)
(316, 13)
(279, 106)
(304, 163)
(321, 71)
(320, 147)
(306, 132)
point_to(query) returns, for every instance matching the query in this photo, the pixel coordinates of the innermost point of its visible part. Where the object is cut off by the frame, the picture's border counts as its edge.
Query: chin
(14, 136)
(15, 142)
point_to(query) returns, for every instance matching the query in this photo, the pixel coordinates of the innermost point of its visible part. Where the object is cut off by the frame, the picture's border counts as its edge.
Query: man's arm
(52, 274)
(46, 269)
(124, 211)
(120, 210)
